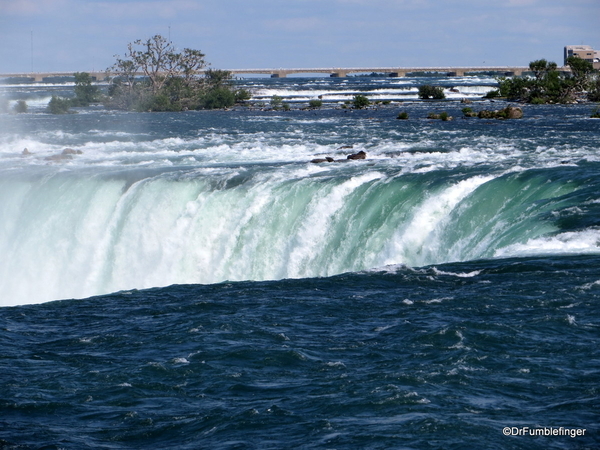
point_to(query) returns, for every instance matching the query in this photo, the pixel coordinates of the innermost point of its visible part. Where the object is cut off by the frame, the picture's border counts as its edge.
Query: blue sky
(84, 35)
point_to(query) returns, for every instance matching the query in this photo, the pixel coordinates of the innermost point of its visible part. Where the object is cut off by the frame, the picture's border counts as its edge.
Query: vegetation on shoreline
(171, 80)
(85, 94)
(548, 85)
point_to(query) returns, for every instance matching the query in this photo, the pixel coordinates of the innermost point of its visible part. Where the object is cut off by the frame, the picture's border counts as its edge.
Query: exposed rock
(26, 152)
(513, 112)
(359, 155)
(486, 114)
(70, 151)
(510, 112)
(322, 160)
(345, 147)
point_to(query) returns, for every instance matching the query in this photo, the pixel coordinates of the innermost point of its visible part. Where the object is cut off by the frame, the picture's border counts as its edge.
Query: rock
(466, 101)
(359, 155)
(70, 151)
(322, 160)
(485, 114)
(345, 147)
(26, 152)
(513, 112)
(510, 112)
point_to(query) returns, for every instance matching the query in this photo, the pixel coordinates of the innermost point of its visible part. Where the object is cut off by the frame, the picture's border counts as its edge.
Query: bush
(20, 107)
(85, 92)
(59, 105)
(435, 92)
(468, 112)
(276, 102)
(315, 103)
(216, 98)
(242, 95)
(360, 101)
(594, 92)
(596, 113)
(445, 116)
(402, 115)
(492, 94)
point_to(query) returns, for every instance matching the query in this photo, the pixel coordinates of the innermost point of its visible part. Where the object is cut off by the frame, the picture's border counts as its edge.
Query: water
(217, 290)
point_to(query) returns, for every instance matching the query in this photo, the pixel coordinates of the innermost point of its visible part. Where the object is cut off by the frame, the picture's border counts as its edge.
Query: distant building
(584, 52)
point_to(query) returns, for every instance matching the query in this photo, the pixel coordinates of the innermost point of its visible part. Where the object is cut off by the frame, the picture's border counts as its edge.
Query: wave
(83, 233)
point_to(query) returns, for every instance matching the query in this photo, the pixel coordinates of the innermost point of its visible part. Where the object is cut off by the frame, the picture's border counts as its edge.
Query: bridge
(39, 77)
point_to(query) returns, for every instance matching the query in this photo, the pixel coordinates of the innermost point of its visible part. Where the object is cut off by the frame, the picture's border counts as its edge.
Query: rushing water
(240, 296)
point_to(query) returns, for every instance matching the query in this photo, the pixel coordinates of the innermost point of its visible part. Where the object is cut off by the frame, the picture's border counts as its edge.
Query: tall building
(584, 52)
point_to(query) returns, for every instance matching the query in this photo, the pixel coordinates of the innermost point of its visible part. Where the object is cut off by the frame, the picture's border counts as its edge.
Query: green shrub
(468, 112)
(435, 92)
(596, 113)
(242, 95)
(58, 105)
(85, 92)
(220, 97)
(360, 101)
(315, 103)
(276, 102)
(492, 94)
(20, 107)
(402, 115)
(445, 116)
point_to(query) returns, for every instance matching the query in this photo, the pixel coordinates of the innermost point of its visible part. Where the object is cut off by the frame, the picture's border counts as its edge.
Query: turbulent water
(219, 290)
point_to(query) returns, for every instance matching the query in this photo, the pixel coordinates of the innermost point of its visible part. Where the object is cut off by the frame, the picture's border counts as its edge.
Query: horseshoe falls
(219, 290)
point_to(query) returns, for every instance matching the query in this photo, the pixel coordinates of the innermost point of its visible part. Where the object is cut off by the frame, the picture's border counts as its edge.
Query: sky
(85, 35)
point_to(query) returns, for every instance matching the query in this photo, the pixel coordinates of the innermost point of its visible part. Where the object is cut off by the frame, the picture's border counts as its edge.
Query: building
(584, 52)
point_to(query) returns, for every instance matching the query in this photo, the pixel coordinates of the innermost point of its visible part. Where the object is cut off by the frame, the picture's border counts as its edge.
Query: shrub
(402, 115)
(360, 101)
(445, 116)
(435, 92)
(242, 95)
(596, 113)
(492, 94)
(468, 112)
(20, 107)
(220, 97)
(85, 92)
(594, 91)
(58, 105)
(314, 103)
(276, 102)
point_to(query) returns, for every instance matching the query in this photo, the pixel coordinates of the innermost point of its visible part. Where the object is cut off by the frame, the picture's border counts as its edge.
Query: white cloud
(31, 7)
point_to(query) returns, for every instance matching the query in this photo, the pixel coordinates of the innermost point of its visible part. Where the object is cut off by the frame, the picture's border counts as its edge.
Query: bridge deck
(333, 71)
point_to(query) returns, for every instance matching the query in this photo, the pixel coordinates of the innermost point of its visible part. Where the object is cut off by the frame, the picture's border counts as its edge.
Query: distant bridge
(38, 77)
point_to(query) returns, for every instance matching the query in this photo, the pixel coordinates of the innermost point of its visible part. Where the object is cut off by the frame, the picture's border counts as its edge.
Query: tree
(541, 68)
(171, 80)
(581, 71)
(85, 91)
(548, 84)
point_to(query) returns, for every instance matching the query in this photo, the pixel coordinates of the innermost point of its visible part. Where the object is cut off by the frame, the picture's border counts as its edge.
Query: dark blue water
(190, 280)
(439, 357)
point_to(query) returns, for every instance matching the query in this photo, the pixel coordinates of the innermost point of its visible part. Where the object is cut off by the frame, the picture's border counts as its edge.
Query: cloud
(31, 7)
